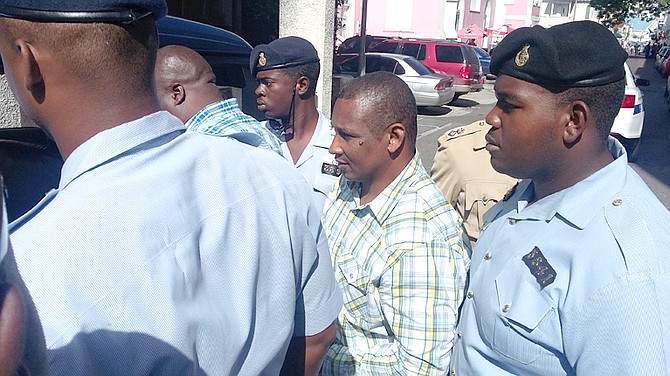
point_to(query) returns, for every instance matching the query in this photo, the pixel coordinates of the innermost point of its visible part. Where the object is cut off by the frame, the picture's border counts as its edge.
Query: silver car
(429, 88)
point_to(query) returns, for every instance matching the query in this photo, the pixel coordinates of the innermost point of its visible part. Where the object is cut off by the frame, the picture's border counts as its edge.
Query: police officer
(462, 170)
(571, 272)
(287, 70)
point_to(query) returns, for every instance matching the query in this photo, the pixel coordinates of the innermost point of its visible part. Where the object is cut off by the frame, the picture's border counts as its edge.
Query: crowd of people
(186, 237)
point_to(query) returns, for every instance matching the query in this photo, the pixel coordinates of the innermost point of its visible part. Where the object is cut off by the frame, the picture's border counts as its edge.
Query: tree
(613, 12)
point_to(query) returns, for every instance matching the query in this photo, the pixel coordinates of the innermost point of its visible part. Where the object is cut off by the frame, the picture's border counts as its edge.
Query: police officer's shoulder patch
(465, 130)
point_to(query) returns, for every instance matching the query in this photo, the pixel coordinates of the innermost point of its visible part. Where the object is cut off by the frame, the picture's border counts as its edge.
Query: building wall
(10, 114)
(404, 18)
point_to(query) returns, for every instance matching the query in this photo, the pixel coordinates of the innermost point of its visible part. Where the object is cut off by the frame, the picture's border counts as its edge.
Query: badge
(539, 267)
(262, 60)
(330, 169)
(455, 132)
(522, 56)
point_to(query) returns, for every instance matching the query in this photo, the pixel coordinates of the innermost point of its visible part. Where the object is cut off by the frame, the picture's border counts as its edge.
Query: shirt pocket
(517, 310)
(361, 300)
(481, 195)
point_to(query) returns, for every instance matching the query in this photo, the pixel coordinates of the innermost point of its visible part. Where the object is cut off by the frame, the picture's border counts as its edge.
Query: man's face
(524, 135)
(275, 91)
(204, 83)
(360, 152)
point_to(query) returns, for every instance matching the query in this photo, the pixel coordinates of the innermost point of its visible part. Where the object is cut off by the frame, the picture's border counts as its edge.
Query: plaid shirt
(224, 118)
(401, 261)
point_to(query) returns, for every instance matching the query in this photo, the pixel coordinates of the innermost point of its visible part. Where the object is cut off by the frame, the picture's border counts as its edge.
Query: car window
(411, 49)
(481, 54)
(387, 65)
(470, 55)
(385, 46)
(418, 66)
(348, 66)
(422, 53)
(448, 54)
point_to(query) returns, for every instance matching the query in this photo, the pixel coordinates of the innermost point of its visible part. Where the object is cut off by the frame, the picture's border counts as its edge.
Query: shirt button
(487, 256)
(453, 373)
(617, 202)
(506, 308)
(512, 221)
(471, 295)
(459, 335)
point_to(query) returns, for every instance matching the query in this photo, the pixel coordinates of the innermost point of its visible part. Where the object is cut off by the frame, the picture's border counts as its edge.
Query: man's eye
(505, 107)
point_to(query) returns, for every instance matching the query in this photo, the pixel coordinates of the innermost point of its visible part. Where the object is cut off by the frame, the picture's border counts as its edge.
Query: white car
(428, 87)
(628, 124)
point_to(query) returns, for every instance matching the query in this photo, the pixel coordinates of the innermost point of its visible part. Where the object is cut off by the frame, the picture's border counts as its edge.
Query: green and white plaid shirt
(401, 262)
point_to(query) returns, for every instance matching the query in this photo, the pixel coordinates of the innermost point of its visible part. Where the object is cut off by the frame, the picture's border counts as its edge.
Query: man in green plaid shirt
(398, 248)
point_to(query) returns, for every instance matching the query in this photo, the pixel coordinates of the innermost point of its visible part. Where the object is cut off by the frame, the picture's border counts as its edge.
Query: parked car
(29, 159)
(352, 45)
(485, 60)
(662, 54)
(429, 88)
(628, 124)
(225, 51)
(448, 58)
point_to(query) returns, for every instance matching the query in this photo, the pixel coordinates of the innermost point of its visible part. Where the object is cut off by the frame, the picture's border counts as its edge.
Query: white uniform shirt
(170, 253)
(311, 161)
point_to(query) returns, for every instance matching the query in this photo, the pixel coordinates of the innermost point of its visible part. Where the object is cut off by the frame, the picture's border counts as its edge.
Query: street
(653, 163)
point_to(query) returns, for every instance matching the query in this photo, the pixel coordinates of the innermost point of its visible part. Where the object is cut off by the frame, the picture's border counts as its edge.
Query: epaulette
(510, 192)
(464, 130)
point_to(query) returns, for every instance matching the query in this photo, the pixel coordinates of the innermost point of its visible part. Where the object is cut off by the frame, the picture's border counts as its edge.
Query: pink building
(436, 19)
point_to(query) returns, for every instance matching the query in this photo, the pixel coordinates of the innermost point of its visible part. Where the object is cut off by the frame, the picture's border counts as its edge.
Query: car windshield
(418, 67)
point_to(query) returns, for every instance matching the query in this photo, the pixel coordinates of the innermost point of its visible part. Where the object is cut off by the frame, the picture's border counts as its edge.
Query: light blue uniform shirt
(164, 252)
(606, 311)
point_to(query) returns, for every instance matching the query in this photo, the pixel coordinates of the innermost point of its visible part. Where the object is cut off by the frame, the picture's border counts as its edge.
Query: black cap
(83, 11)
(282, 53)
(574, 54)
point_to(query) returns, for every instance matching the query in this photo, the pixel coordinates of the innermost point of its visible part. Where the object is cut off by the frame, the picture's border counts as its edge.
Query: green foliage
(613, 12)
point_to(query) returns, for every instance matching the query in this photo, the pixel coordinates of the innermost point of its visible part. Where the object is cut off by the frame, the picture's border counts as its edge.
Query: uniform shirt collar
(577, 204)
(114, 142)
(382, 205)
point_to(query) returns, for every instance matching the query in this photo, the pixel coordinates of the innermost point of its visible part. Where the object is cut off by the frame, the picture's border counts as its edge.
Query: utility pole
(363, 44)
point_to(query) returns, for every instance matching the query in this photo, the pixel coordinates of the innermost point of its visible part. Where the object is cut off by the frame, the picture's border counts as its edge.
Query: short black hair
(310, 70)
(385, 99)
(604, 102)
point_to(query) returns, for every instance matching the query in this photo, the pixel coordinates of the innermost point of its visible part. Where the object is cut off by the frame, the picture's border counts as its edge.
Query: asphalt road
(654, 156)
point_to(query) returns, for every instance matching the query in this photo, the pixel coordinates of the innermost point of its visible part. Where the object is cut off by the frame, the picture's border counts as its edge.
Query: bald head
(185, 82)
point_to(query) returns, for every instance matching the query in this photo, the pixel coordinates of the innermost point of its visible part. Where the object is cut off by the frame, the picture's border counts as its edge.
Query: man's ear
(396, 137)
(177, 94)
(302, 85)
(576, 120)
(30, 70)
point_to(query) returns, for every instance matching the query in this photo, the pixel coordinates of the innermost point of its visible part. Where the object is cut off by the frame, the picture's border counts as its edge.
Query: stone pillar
(313, 20)
(10, 114)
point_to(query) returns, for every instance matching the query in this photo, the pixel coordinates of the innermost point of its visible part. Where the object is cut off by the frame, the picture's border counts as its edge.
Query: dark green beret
(83, 11)
(282, 53)
(574, 54)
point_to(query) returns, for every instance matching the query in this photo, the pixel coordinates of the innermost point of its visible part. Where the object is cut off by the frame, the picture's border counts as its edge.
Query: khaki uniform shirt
(462, 170)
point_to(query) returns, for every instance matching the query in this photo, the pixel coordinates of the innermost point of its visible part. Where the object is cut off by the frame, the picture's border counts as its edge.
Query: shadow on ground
(434, 110)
